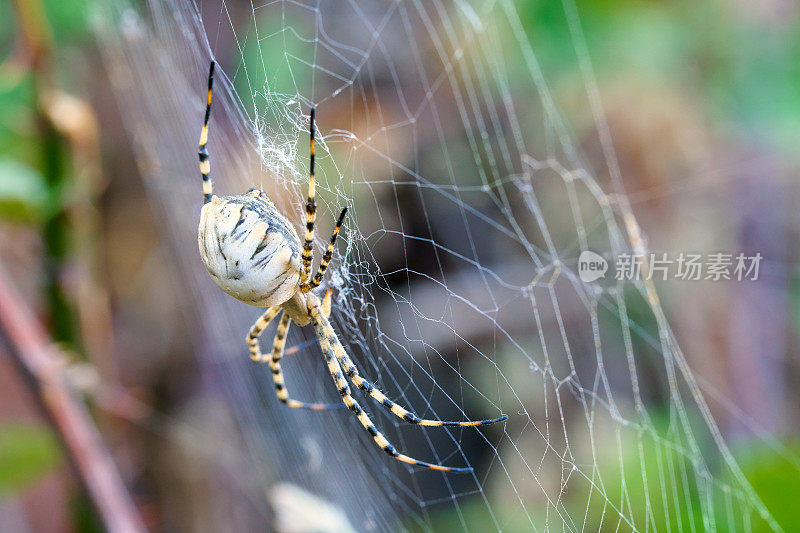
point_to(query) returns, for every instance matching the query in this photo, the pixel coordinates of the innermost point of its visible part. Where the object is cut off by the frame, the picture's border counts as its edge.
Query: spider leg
(205, 164)
(255, 331)
(277, 374)
(323, 265)
(324, 329)
(277, 355)
(311, 209)
(325, 334)
(326, 303)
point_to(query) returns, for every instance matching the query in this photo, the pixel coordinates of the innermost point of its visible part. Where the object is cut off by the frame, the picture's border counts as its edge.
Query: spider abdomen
(250, 250)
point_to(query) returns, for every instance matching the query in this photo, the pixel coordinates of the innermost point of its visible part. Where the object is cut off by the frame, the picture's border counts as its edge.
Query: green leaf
(27, 453)
(23, 194)
(772, 470)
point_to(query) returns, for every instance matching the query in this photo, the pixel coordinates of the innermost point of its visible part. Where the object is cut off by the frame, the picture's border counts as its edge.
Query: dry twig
(43, 364)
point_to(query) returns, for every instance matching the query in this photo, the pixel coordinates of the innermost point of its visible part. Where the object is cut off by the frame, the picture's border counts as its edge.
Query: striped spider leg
(278, 346)
(253, 253)
(335, 357)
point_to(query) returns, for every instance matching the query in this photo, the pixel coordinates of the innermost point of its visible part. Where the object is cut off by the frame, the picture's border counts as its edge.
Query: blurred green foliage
(747, 68)
(27, 453)
(25, 197)
(23, 194)
(18, 140)
(285, 72)
(773, 473)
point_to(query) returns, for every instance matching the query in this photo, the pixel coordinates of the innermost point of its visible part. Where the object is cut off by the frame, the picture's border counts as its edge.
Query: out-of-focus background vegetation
(704, 110)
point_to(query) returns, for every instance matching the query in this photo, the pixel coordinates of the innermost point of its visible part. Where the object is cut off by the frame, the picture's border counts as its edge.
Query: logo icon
(591, 266)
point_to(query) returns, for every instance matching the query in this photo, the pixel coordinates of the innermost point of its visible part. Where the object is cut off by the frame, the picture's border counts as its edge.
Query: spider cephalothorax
(253, 253)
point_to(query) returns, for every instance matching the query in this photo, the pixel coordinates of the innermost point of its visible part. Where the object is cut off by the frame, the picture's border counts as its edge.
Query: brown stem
(42, 363)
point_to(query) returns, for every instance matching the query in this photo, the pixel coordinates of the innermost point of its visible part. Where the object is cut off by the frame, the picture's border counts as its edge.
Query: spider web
(455, 280)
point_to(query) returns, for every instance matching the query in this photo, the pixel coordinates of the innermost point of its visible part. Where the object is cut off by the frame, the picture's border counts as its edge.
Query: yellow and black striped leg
(205, 164)
(311, 209)
(326, 259)
(326, 303)
(327, 339)
(277, 373)
(255, 331)
(325, 329)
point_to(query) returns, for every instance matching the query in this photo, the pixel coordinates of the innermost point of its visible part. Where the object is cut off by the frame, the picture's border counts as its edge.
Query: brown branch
(43, 364)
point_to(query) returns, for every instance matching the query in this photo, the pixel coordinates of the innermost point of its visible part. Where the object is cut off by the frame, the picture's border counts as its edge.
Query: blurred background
(100, 108)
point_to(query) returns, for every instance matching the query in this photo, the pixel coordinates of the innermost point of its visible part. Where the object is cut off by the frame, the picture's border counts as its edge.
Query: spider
(253, 253)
